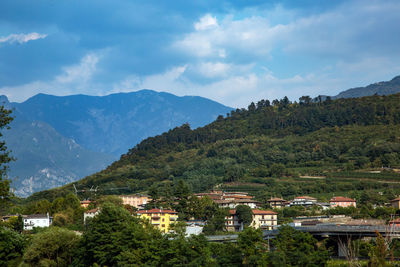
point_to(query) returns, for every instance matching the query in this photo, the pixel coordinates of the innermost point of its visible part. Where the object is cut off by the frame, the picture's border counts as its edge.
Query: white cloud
(248, 36)
(73, 79)
(206, 22)
(81, 72)
(22, 38)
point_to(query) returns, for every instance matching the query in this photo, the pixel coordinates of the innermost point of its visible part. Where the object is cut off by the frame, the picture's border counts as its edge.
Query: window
(162, 225)
(163, 219)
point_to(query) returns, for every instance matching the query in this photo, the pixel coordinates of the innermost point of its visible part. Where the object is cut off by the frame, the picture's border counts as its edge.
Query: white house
(233, 203)
(37, 220)
(90, 214)
(303, 201)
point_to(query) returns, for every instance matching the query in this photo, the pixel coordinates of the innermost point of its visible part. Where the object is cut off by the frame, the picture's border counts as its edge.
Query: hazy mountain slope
(112, 124)
(379, 88)
(46, 159)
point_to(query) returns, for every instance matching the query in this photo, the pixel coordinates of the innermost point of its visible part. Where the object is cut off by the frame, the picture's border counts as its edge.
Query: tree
(217, 222)
(295, 248)
(115, 237)
(5, 158)
(115, 200)
(12, 245)
(245, 214)
(53, 247)
(277, 169)
(253, 247)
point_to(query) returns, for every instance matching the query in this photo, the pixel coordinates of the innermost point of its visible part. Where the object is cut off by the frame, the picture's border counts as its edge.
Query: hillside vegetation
(266, 148)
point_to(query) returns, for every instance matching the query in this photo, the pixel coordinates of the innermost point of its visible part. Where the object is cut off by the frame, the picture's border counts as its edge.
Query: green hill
(266, 147)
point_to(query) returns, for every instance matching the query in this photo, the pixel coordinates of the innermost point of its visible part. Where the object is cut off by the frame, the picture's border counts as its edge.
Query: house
(214, 195)
(90, 214)
(395, 223)
(342, 202)
(305, 201)
(138, 201)
(233, 203)
(37, 220)
(194, 227)
(264, 219)
(277, 203)
(162, 219)
(85, 203)
(395, 203)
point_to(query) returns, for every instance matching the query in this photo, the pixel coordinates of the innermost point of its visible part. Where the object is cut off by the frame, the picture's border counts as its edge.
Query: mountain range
(379, 88)
(57, 140)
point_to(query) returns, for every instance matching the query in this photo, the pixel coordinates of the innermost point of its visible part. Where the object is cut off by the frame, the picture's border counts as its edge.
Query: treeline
(277, 119)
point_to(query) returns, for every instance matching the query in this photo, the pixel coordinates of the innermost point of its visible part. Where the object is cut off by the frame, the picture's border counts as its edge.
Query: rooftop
(37, 216)
(257, 212)
(342, 199)
(156, 211)
(275, 199)
(92, 210)
(306, 197)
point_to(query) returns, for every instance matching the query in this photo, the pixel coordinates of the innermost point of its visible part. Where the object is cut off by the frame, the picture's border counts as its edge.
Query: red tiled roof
(92, 210)
(305, 197)
(236, 201)
(342, 199)
(264, 212)
(86, 201)
(157, 211)
(396, 199)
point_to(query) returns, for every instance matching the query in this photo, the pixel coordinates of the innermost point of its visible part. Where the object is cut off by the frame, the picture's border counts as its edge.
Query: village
(265, 219)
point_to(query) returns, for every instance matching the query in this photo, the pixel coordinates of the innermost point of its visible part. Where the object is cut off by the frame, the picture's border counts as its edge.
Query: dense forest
(266, 148)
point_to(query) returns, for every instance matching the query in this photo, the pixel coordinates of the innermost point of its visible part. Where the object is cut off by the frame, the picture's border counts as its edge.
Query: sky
(233, 52)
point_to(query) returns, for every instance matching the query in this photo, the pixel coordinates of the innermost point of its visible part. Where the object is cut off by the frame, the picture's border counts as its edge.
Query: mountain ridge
(380, 88)
(102, 127)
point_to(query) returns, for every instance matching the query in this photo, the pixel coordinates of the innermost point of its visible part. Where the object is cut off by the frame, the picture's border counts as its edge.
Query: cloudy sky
(233, 52)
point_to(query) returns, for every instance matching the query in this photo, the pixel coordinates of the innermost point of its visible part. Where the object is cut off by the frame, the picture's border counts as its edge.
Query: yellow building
(396, 203)
(162, 219)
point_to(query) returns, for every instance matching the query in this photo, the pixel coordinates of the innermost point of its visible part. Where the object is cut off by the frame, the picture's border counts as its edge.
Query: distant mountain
(57, 140)
(379, 88)
(46, 159)
(112, 124)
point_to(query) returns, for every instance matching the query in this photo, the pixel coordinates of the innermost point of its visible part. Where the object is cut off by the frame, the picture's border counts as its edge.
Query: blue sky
(233, 52)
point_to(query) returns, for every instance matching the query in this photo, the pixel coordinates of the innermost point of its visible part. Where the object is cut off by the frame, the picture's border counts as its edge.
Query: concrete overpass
(342, 234)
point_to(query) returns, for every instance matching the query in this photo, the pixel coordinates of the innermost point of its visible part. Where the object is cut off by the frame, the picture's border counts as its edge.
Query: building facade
(162, 219)
(233, 203)
(90, 214)
(342, 202)
(37, 220)
(277, 203)
(305, 201)
(395, 203)
(138, 201)
(85, 203)
(264, 219)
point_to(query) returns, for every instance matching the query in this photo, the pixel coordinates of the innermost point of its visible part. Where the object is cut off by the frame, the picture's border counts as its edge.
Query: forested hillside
(268, 146)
